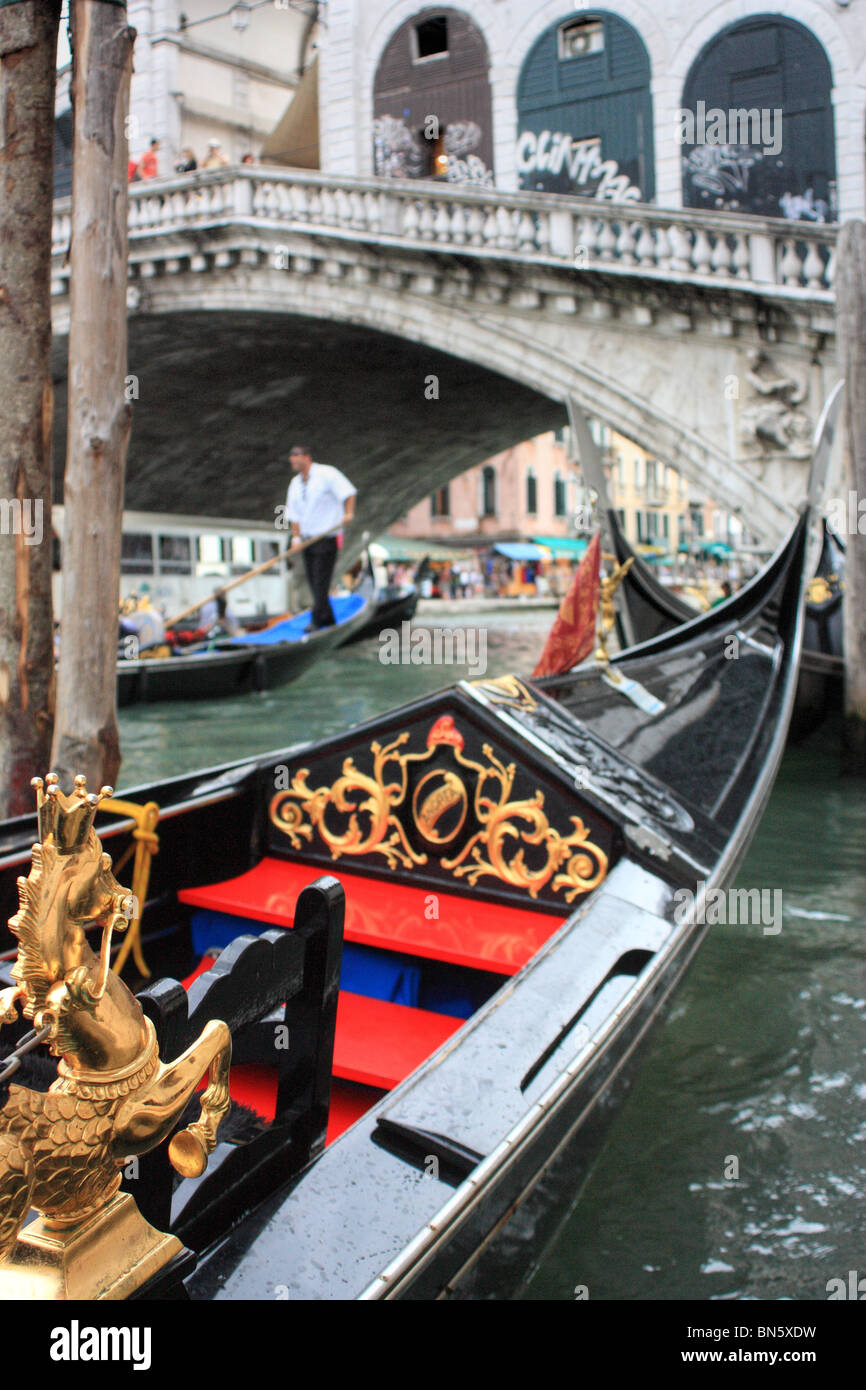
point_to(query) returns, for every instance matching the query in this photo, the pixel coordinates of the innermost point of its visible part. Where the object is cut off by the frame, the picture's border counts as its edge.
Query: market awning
(409, 550)
(563, 545)
(519, 550)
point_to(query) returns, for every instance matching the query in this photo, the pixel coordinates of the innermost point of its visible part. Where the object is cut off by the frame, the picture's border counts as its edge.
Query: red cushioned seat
(390, 914)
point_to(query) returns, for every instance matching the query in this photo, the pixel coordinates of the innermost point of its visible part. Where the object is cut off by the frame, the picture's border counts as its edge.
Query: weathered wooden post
(99, 419)
(851, 335)
(28, 63)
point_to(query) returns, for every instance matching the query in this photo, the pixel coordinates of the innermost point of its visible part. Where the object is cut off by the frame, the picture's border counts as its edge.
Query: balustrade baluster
(702, 252)
(664, 249)
(720, 260)
(372, 213)
(458, 225)
(426, 221)
(646, 247)
(475, 226)
(742, 256)
(625, 244)
(411, 219)
(605, 243)
(442, 222)
(525, 232)
(813, 267)
(491, 227)
(542, 232)
(681, 249)
(790, 267)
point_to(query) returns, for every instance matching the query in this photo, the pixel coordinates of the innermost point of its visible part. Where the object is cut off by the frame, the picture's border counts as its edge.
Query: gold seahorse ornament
(62, 1151)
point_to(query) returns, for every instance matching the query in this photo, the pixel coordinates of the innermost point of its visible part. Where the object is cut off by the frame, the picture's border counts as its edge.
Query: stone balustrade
(790, 259)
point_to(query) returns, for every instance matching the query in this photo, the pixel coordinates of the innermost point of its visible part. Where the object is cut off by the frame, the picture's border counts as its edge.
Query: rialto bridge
(408, 329)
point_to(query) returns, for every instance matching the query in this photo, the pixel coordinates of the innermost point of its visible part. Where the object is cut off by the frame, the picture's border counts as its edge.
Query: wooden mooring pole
(28, 62)
(99, 416)
(851, 338)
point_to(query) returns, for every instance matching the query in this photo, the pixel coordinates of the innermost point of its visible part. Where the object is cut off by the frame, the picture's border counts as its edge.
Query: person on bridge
(319, 499)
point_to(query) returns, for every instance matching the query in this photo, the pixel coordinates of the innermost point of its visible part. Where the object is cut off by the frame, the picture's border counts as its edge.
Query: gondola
(648, 608)
(390, 610)
(525, 867)
(393, 604)
(262, 660)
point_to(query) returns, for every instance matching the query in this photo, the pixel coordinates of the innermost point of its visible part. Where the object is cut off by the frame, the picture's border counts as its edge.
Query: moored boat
(262, 660)
(516, 857)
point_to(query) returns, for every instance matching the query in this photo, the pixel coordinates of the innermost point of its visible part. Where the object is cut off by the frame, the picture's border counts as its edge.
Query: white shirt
(317, 505)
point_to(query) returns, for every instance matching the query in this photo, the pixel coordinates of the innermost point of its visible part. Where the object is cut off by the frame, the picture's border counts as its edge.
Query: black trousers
(319, 561)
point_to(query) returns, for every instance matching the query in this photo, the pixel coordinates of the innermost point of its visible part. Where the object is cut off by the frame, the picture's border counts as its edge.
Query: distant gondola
(262, 660)
(526, 868)
(648, 608)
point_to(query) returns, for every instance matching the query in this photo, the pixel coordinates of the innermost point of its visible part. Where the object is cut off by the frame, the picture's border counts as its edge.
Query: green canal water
(736, 1168)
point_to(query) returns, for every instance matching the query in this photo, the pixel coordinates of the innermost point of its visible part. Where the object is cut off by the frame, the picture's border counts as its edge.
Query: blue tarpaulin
(345, 606)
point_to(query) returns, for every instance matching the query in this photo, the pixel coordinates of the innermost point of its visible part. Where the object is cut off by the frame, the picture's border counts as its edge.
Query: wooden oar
(259, 569)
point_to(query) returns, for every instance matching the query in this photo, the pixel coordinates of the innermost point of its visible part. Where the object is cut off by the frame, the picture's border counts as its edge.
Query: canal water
(736, 1167)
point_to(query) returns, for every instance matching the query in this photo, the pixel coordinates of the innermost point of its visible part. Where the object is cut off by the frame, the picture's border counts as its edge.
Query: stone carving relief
(771, 419)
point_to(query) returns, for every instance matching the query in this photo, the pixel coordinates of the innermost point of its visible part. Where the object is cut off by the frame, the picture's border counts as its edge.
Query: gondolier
(319, 499)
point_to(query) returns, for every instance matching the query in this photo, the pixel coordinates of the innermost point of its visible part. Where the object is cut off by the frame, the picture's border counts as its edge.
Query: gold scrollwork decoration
(585, 863)
(509, 830)
(381, 796)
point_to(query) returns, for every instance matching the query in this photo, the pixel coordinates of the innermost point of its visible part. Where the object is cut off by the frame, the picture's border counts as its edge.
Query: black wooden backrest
(278, 994)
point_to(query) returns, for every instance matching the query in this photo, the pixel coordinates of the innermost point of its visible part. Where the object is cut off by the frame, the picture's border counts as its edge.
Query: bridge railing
(540, 228)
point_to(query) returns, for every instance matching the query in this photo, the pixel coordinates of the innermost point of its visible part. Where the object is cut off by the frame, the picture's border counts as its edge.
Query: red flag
(572, 637)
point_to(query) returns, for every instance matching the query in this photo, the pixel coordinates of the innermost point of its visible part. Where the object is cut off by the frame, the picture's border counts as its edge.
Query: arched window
(558, 494)
(756, 125)
(488, 490)
(531, 491)
(432, 115)
(584, 111)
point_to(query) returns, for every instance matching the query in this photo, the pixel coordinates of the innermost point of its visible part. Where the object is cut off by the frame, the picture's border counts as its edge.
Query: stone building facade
(712, 103)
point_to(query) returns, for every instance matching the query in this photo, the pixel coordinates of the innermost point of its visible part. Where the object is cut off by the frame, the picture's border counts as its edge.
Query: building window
(440, 503)
(651, 475)
(580, 38)
(640, 528)
(175, 555)
(666, 526)
(242, 554)
(620, 511)
(431, 38)
(531, 491)
(136, 553)
(651, 526)
(558, 494)
(638, 476)
(210, 552)
(488, 490)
